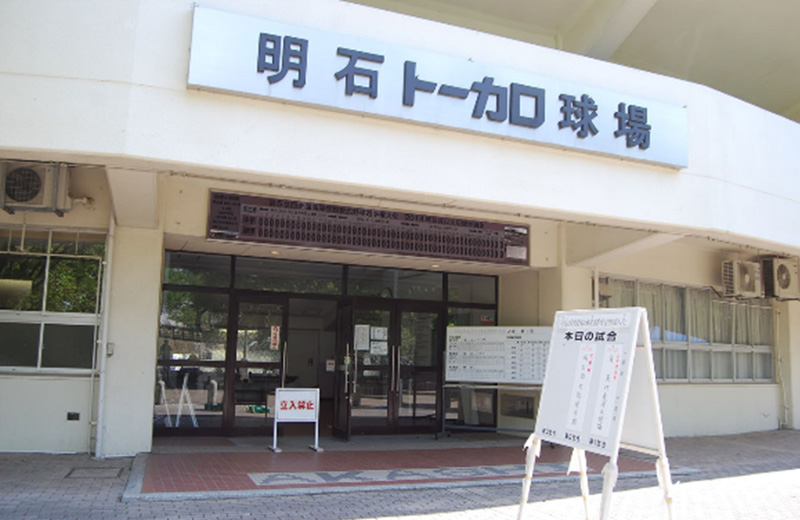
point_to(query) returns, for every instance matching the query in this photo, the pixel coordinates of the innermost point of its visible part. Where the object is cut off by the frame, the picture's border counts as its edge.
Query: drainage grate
(94, 473)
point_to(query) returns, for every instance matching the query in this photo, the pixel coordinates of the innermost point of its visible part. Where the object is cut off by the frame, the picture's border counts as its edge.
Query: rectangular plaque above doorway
(250, 218)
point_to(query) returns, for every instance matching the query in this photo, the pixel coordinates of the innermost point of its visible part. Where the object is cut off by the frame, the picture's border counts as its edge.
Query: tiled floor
(218, 465)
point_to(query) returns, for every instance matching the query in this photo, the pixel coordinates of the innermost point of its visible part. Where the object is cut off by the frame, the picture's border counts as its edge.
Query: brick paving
(754, 476)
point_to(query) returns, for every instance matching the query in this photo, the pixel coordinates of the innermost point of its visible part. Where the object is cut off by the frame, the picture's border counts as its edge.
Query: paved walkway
(753, 476)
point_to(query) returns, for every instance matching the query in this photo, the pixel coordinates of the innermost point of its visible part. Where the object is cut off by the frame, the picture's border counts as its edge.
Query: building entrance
(392, 356)
(233, 329)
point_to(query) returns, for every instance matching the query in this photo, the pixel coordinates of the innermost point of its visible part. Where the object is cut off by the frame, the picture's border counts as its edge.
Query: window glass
(72, 285)
(395, 283)
(466, 288)
(5, 240)
(722, 365)
(762, 324)
(266, 274)
(675, 364)
(419, 339)
(471, 317)
(617, 293)
(259, 332)
(700, 315)
(762, 365)
(77, 243)
(64, 243)
(744, 365)
(701, 364)
(193, 325)
(19, 344)
(650, 299)
(658, 362)
(197, 269)
(742, 320)
(68, 346)
(470, 406)
(72, 291)
(722, 321)
(29, 241)
(674, 317)
(205, 385)
(21, 282)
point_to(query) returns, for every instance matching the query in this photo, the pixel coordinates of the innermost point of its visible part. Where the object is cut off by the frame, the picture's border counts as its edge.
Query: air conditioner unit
(741, 278)
(781, 278)
(35, 187)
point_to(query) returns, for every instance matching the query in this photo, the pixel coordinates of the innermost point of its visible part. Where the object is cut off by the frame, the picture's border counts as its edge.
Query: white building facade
(203, 203)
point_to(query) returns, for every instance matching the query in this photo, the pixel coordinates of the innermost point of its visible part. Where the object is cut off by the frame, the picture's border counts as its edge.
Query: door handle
(346, 365)
(397, 370)
(285, 363)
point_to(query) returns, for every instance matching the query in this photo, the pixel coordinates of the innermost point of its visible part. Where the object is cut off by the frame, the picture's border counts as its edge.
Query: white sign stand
(596, 357)
(185, 399)
(296, 405)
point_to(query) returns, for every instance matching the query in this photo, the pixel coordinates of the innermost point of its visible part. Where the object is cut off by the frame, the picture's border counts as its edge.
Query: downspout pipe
(99, 451)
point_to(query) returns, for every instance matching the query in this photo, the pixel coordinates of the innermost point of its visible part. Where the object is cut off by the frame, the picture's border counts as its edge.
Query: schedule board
(515, 355)
(588, 377)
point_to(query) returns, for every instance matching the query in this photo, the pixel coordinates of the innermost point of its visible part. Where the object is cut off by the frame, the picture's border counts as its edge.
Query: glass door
(343, 376)
(396, 360)
(417, 383)
(372, 370)
(257, 361)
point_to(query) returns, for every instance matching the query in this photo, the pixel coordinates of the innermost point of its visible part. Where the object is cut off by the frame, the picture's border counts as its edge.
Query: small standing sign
(596, 357)
(296, 405)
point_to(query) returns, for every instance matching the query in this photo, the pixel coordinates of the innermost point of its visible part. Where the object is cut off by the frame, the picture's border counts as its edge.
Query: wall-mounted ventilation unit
(742, 279)
(781, 278)
(34, 187)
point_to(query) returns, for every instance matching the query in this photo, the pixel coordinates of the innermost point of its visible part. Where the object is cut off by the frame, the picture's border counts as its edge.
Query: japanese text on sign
(245, 55)
(296, 404)
(514, 355)
(592, 352)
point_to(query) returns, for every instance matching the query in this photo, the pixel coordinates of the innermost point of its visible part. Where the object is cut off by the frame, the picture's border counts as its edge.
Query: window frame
(15, 237)
(752, 311)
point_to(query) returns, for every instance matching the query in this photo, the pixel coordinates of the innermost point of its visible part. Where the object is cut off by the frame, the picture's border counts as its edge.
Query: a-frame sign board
(600, 394)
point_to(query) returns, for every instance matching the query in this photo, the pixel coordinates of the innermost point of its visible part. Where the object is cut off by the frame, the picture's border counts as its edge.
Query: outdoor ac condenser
(32, 186)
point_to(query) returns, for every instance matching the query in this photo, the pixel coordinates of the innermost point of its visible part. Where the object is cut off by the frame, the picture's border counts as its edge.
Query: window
(395, 283)
(49, 298)
(697, 335)
(467, 288)
(265, 274)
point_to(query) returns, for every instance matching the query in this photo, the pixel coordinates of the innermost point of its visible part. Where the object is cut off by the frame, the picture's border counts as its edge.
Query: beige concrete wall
(133, 330)
(519, 299)
(717, 409)
(33, 413)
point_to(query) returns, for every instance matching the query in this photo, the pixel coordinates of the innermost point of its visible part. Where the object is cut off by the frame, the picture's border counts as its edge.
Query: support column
(788, 362)
(135, 294)
(563, 287)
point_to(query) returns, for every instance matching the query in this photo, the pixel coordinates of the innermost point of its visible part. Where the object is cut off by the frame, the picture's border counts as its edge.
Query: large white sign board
(514, 355)
(243, 55)
(591, 357)
(598, 358)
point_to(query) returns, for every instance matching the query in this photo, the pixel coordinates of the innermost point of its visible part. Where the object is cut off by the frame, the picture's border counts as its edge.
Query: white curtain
(649, 298)
(722, 319)
(674, 313)
(700, 315)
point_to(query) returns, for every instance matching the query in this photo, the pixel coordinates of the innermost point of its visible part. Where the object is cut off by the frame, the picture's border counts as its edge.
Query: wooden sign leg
(533, 447)
(665, 481)
(610, 472)
(577, 462)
